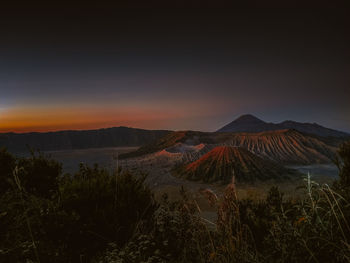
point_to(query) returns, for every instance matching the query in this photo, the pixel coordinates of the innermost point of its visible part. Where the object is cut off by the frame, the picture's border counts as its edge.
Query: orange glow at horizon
(45, 119)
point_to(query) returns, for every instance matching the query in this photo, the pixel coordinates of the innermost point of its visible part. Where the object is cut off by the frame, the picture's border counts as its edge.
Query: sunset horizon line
(95, 126)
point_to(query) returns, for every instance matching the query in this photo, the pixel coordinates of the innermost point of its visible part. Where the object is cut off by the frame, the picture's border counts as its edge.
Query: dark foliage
(48, 217)
(98, 216)
(39, 175)
(343, 163)
(7, 165)
(103, 209)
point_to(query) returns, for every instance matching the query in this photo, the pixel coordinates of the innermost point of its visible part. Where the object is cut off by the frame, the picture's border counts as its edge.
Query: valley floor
(161, 181)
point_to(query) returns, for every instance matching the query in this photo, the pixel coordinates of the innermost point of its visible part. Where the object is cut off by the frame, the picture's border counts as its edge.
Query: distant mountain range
(250, 123)
(286, 142)
(222, 162)
(62, 140)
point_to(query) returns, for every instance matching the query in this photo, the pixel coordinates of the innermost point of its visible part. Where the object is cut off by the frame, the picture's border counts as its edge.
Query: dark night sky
(92, 66)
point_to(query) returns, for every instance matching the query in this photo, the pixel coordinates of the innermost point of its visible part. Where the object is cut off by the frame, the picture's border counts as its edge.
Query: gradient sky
(85, 67)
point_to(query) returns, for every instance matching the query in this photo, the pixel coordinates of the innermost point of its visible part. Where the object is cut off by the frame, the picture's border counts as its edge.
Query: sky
(96, 66)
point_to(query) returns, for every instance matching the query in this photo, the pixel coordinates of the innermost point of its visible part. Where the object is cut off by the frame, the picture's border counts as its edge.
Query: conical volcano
(247, 123)
(222, 162)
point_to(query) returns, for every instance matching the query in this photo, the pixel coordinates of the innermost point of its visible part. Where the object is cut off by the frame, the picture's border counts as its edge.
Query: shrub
(314, 229)
(343, 163)
(178, 234)
(39, 174)
(7, 164)
(49, 218)
(103, 208)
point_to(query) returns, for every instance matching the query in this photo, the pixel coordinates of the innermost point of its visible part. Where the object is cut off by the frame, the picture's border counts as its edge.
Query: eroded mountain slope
(222, 162)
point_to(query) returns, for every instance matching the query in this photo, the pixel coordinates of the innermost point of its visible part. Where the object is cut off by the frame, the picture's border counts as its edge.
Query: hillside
(250, 123)
(284, 146)
(313, 128)
(62, 140)
(220, 163)
(170, 140)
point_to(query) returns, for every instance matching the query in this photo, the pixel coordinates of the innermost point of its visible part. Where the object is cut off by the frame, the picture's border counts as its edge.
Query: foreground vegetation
(98, 216)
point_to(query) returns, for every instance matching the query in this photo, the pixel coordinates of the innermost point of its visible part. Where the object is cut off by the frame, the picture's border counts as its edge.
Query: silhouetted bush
(7, 165)
(103, 208)
(48, 217)
(343, 163)
(39, 175)
(176, 235)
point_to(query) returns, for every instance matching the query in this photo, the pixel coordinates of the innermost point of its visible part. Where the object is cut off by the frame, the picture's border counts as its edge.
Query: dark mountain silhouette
(62, 140)
(250, 123)
(222, 162)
